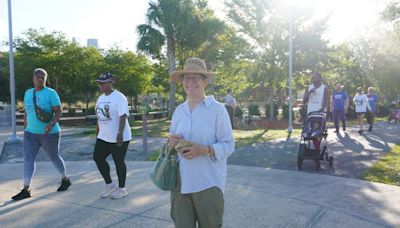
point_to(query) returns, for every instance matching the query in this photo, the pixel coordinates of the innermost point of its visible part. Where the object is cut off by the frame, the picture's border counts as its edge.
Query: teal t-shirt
(45, 99)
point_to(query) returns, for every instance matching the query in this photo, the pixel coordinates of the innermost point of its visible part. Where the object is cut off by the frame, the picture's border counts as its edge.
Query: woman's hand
(120, 139)
(48, 128)
(194, 151)
(173, 140)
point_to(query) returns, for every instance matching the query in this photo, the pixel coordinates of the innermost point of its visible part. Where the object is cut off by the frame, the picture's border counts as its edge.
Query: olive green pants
(205, 208)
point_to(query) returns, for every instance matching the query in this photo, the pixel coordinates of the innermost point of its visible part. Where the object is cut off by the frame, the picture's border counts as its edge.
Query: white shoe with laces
(119, 193)
(108, 189)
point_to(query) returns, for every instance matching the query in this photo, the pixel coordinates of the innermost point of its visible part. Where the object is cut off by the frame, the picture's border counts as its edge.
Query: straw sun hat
(192, 66)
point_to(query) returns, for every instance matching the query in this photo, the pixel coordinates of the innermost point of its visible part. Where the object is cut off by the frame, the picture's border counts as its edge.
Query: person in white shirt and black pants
(113, 135)
(203, 121)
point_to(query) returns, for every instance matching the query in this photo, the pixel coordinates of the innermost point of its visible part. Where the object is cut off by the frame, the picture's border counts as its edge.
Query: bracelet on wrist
(209, 152)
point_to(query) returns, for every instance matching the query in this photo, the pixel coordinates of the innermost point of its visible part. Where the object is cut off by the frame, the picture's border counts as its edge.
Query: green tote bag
(164, 171)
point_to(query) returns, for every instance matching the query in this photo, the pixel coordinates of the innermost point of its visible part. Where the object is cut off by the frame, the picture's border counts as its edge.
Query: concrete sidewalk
(353, 154)
(254, 197)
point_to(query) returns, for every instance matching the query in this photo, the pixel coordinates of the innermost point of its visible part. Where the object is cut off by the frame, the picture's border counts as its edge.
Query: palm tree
(176, 23)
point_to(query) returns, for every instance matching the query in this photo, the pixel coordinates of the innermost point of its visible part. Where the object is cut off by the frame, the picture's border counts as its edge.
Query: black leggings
(102, 150)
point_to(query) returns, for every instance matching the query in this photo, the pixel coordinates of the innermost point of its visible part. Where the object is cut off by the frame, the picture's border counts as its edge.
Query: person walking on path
(316, 98)
(373, 100)
(361, 103)
(204, 122)
(316, 95)
(113, 135)
(230, 104)
(339, 106)
(41, 131)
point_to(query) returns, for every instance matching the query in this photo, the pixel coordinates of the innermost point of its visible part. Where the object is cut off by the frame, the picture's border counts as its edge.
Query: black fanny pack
(41, 114)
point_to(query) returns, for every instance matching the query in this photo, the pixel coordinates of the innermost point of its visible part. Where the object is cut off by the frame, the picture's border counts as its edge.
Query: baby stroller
(313, 142)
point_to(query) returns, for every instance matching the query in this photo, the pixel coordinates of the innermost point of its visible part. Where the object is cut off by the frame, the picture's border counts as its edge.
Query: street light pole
(14, 137)
(290, 105)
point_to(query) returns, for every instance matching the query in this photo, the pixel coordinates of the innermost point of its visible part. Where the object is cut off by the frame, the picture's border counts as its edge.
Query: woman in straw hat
(204, 122)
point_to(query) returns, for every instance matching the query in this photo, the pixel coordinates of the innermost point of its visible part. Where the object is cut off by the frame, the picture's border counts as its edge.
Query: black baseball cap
(106, 77)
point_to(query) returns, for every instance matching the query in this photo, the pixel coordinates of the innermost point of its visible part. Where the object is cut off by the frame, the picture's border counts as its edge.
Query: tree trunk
(144, 131)
(136, 101)
(171, 68)
(86, 97)
(271, 104)
(87, 102)
(132, 102)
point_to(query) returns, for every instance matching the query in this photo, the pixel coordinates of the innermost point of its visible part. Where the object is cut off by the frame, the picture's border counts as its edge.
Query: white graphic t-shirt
(108, 110)
(361, 103)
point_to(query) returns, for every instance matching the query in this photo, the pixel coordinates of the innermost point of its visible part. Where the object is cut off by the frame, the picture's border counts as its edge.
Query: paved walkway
(254, 197)
(353, 154)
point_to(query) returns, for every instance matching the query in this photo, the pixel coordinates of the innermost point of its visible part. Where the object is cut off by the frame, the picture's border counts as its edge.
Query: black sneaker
(64, 185)
(336, 131)
(22, 195)
(360, 132)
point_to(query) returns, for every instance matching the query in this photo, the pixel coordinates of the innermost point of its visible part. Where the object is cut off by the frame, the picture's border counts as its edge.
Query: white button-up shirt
(208, 125)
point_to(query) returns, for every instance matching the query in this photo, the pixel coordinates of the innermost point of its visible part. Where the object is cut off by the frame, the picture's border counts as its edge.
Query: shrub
(268, 110)
(303, 112)
(254, 110)
(238, 112)
(65, 106)
(71, 111)
(91, 110)
(384, 109)
(285, 111)
(153, 156)
(351, 112)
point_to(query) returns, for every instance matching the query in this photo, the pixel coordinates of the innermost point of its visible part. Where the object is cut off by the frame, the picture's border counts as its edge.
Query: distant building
(93, 43)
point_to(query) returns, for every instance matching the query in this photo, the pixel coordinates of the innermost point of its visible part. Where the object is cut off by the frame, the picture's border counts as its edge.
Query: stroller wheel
(299, 162)
(330, 161)
(318, 165)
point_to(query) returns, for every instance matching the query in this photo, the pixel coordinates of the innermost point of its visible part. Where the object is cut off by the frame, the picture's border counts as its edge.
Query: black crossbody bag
(41, 114)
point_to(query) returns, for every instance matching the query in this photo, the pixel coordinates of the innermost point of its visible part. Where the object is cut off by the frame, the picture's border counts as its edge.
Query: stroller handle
(317, 112)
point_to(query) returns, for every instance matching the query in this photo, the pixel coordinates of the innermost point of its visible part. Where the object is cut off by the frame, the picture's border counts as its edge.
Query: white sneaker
(108, 188)
(119, 193)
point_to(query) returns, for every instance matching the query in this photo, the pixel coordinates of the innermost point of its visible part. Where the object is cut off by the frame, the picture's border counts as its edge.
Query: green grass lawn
(243, 137)
(155, 128)
(386, 170)
(160, 128)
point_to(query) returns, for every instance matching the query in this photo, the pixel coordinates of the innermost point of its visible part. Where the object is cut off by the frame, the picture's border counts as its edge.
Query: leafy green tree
(133, 72)
(176, 25)
(264, 24)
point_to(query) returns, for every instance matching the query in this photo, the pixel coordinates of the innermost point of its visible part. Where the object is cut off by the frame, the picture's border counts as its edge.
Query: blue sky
(110, 21)
(114, 21)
